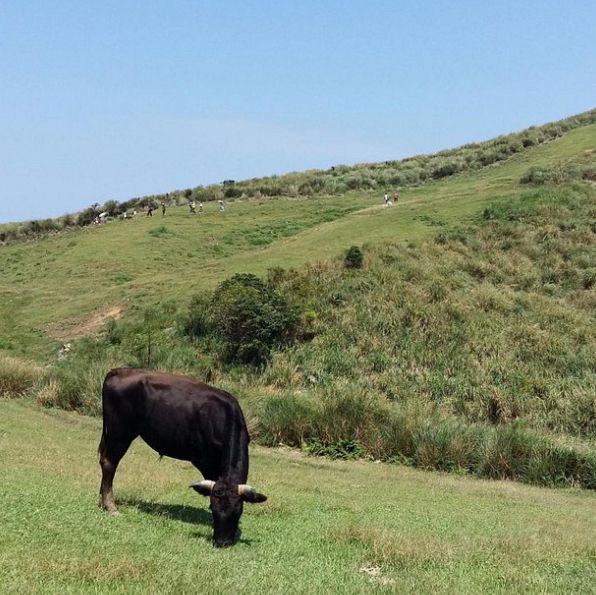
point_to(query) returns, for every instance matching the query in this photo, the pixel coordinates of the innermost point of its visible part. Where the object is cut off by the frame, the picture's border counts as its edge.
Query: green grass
(348, 527)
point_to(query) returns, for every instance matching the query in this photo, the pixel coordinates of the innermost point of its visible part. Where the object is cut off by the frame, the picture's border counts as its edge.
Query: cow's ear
(254, 497)
(204, 487)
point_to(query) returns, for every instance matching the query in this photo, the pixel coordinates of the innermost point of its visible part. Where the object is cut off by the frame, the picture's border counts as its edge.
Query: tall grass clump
(355, 427)
(18, 377)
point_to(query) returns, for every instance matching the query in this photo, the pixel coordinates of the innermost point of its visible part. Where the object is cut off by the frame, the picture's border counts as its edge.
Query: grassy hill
(466, 342)
(50, 287)
(350, 527)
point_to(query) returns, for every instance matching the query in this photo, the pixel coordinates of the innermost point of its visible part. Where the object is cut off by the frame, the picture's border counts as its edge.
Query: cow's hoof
(109, 508)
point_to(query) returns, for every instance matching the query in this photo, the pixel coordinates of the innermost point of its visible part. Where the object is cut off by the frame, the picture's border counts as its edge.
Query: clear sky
(109, 99)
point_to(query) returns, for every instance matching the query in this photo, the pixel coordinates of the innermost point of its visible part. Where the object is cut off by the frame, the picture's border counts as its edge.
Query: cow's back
(178, 417)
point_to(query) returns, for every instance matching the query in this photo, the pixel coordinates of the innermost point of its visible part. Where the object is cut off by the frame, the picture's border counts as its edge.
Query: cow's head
(226, 502)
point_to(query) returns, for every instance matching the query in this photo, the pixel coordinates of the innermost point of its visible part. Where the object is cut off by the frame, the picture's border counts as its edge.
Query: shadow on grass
(178, 512)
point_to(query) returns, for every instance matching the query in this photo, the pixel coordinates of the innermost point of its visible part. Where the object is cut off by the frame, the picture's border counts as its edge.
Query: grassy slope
(49, 286)
(324, 524)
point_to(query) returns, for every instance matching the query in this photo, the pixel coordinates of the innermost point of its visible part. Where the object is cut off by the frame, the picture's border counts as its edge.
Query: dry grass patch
(18, 376)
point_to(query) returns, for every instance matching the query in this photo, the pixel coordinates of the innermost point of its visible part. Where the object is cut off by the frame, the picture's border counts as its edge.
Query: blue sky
(116, 99)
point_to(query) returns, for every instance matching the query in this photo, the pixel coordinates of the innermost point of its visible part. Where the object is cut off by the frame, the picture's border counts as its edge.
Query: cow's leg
(110, 452)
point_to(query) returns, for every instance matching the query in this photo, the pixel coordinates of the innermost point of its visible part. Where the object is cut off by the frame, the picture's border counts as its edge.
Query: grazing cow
(181, 418)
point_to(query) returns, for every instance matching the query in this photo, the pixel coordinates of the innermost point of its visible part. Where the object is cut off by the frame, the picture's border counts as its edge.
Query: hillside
(350, 527)
(52, 287)
(466, 342)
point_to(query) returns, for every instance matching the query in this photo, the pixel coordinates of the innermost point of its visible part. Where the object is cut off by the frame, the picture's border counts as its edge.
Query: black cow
(185, 419)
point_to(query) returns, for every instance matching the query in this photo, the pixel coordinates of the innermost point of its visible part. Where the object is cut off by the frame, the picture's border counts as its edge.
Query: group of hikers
(389, 202)
(192, 207)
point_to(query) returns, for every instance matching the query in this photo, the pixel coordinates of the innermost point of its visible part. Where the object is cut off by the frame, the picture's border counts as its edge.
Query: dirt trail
(89, 326)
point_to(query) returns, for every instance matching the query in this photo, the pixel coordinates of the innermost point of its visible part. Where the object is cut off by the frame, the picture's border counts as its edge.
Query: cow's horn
(207, 484)
(244, 488)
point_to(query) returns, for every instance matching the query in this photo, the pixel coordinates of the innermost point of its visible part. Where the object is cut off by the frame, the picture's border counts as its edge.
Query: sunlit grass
(327, 525)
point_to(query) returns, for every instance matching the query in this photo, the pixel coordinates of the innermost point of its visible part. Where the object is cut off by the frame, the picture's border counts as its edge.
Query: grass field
(327, 526)
(49, 288)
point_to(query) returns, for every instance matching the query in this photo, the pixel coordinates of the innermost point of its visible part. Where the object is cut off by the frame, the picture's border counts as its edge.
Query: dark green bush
(232, 192)
(251, 319)
(342, 449)
(353, 258)
(246, 317)
(86, 217)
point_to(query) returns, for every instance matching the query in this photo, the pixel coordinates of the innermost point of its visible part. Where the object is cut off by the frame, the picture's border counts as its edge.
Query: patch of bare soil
(89, 326)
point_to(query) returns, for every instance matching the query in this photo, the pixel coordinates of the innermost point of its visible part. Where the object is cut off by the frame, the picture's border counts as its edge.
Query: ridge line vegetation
(335, 181)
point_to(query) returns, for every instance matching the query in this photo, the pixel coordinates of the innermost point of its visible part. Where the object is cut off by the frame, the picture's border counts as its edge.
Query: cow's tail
(104, 429)
(102, 442)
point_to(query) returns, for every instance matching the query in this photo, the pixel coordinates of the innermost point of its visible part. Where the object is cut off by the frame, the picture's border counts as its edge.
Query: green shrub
(353, 258)
(342, 449)
(589, 278)
(246, 317)
(251, 319)
(198, 322)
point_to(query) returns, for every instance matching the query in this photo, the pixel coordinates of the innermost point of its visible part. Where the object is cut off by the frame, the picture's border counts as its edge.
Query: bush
(342, 449)
(353, 259)
(589, 278)
(86, 217)
(251, 319)
(246, 317)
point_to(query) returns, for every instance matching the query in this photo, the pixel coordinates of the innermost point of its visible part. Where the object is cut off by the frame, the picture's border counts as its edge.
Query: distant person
(149, 210)
(191, 206)
(395, 197)
(386, 198)
(222, 207)
(163, 208)
(200, 207)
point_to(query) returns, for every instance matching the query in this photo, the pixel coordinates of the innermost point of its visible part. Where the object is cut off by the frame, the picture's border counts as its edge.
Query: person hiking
(163, 208)
(149, 210)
